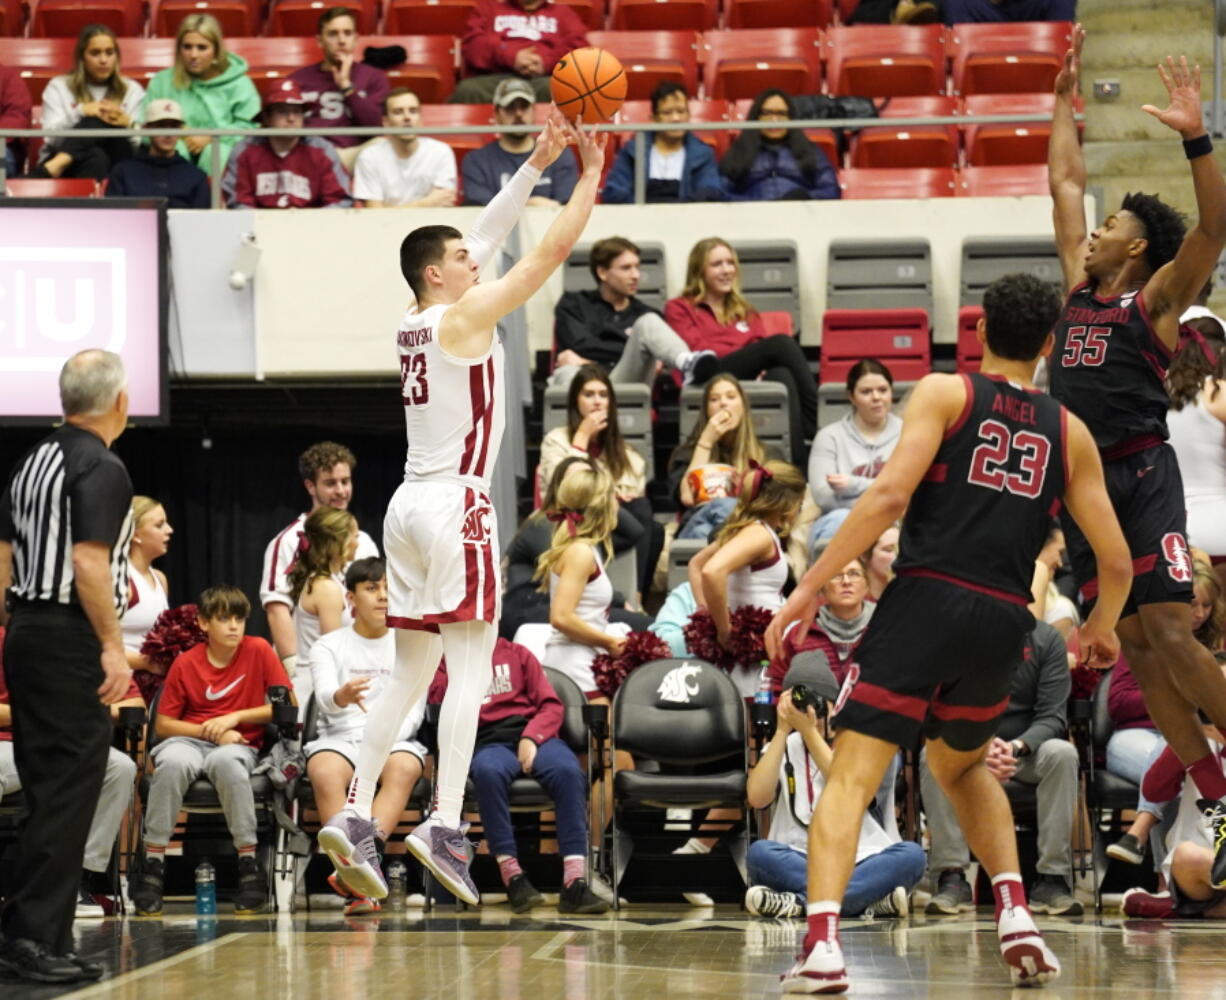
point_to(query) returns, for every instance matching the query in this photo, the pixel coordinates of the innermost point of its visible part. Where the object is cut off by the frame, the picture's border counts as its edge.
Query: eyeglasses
(778, 115)
(851, 576)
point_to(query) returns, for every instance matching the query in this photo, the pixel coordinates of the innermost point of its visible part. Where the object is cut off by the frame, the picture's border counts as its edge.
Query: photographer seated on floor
(791, 774)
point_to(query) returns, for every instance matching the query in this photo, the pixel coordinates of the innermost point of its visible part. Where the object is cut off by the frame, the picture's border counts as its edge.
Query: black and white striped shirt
(68, 488)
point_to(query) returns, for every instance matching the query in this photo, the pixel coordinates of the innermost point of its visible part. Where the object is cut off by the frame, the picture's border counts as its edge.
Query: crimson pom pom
(641, 647)
(700, 639)
(747, 640)
(1085, 680)
(175, 631)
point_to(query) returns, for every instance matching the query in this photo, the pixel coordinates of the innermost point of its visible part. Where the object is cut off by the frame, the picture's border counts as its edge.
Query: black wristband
(1198, 147)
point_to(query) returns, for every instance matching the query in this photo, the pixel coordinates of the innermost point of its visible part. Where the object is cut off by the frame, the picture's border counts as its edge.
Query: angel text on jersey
(415, 338)
(1018, 410)
(476, 527)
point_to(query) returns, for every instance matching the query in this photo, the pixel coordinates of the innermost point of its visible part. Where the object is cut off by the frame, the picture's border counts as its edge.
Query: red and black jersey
(1109, 367)
(983, 511)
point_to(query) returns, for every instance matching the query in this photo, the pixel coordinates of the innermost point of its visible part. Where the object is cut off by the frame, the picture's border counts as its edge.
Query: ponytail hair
(770, 492)
(321, 547)
(586, 512)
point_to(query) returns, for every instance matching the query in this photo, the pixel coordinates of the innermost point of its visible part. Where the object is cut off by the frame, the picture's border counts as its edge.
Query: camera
(803, 698)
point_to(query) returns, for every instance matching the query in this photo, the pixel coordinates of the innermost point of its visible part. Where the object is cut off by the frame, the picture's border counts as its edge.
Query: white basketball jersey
(453, 407)
(761, 584)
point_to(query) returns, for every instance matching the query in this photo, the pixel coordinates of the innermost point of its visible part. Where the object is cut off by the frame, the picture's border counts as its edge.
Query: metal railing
(641, 131)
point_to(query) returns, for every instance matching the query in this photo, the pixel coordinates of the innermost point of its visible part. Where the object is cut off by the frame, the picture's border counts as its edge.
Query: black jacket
(182, 184)
(586, 324)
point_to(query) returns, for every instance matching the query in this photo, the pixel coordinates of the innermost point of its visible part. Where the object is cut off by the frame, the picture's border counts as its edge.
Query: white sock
(469, 648)
(417, 659)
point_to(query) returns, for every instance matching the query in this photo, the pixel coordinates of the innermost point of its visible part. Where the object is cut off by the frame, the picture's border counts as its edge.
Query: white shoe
(763, 901)
(1023, 949)
(892, 905)
(821, 971)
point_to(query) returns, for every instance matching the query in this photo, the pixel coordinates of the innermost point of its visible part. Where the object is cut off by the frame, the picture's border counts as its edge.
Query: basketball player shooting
(1128, 283)
(440, 533)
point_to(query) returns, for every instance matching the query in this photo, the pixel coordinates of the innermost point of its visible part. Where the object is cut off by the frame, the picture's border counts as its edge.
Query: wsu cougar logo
(476, 527)
(680, 684)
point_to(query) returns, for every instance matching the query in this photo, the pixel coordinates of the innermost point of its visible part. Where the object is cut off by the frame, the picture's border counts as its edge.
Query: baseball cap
(285, 92)
(513, 89)
(812, 669)
(164, 110)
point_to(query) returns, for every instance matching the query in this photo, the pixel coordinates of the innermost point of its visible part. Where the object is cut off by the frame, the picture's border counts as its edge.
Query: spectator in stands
(885, 871)
(16, 111)
(1031, 748)
(487, 170)
(838, 627)
(349, 669)
(211, 87)
(776, 164)
(744, 566)
(680, 166)
(962, 11)
(340, 91)
(1204, 320)
(405, 171)
(880, 559)
(610, 326)
(848, 454)
(95, 898)
(712, 314)
(210, 720)
(517, 735)
(148, 589)
(329, 542)
(592, 429)
(1134, 745)
(326, 473)
(286, 171)
(159, 171)
(673, 616)
(94, 95)
(705, 470)
(515, 38)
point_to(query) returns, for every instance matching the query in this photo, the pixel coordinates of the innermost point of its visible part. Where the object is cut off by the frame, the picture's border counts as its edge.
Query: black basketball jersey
(983, 511)
(1109, 367)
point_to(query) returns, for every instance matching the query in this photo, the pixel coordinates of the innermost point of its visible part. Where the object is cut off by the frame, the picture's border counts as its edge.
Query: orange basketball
(588, 83)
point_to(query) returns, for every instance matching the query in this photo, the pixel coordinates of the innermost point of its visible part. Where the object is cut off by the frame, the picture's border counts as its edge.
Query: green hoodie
(228, 100)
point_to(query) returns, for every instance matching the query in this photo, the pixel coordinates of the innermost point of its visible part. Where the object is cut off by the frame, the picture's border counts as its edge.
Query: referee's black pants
(61, 732)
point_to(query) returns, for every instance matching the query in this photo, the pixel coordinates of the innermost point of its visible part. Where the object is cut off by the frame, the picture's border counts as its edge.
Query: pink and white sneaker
(1023, 949)
(822, 970)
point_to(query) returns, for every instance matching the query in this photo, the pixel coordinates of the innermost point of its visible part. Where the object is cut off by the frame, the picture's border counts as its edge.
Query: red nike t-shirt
(197, 691)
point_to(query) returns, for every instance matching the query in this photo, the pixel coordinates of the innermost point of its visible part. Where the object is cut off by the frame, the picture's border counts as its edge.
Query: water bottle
(397, 884)
(206, 889)
(763, 695)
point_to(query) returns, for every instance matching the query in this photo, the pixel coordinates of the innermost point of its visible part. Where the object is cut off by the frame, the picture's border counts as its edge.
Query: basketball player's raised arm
(483, 305)
(1085, 495)
(935, 404)
(1066, 169)
(1174, 286)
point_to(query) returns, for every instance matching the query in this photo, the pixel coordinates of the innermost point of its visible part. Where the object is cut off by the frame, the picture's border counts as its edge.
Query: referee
(65, 525)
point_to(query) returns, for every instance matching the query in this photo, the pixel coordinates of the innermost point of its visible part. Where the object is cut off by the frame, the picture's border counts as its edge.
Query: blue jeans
(1130, 753)
(786, 869)
(824, 527)
(556, 767)
(10, 161)
(707, 518)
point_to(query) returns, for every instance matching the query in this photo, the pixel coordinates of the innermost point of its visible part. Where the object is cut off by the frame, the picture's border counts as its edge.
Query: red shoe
(1148, 905)
(340, 888)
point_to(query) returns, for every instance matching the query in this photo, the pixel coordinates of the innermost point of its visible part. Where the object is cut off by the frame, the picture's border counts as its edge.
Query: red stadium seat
(989, 182)
(238, 18)
(823, 138)
(37, 60)
(743, 63)
(777, 13)
(427, 17)
(301, 17)
(919, 182)
(429, 69)
(1004, 144)
(444, 115)
(51, 187)
(11, 16)
(591, 12)
(635, 112)
(778, 322)
(885, 60)
(140, 58)
(909, 145)
(969, 352)
(66, 18)
(899, 338)
(845, 9)
(651, 57)
(1004, 58)
(658, 15)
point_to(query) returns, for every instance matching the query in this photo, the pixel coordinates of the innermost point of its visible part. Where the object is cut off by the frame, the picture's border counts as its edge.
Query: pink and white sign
(72, 279)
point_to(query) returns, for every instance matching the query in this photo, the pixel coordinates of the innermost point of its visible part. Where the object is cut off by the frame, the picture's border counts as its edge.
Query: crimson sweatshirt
(697, 325)
(332, 109)
(496, 31)
(309, 176)
(518, 687)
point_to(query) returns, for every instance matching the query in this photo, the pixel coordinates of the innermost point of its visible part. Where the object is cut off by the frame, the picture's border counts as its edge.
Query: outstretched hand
(1183, 114)
(553, 139)
(1070, 72)
(591, 146)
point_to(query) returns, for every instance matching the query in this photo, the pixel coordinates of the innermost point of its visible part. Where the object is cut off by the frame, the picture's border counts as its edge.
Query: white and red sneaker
(822, 970)
(1148, 905)
(1023, 949)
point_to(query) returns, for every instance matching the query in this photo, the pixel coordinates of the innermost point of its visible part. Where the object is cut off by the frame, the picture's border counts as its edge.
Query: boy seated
(210, 720)
(351, 667)
(517, 734)
(792, 773)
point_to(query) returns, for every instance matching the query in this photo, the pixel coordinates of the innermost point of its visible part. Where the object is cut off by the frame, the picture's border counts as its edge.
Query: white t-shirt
(666, 166)
(339, 657)
(793, 830)
(381, 175)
